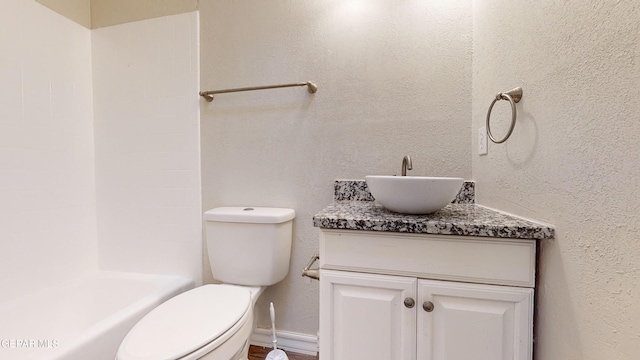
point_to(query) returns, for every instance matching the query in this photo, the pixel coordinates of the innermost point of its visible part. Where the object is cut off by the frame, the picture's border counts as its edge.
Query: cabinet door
(363, 316)
(471, 321)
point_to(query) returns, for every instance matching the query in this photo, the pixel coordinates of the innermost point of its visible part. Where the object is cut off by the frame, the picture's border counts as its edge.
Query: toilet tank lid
(250, 214)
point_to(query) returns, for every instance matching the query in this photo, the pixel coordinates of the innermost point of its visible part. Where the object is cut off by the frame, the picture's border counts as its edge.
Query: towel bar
(208, 95)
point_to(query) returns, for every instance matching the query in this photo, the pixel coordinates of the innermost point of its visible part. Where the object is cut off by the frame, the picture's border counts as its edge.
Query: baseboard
(288, 341)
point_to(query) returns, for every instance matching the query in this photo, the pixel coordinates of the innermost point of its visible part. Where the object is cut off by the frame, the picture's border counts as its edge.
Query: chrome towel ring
(513, 96)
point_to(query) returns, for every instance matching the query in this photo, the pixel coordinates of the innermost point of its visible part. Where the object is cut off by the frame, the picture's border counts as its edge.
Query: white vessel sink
(413, 194)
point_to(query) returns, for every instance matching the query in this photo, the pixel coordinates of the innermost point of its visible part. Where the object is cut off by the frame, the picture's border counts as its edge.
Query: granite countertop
(458, 218)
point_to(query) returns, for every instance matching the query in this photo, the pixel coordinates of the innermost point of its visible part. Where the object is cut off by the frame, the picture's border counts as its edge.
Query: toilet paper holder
(312, 273)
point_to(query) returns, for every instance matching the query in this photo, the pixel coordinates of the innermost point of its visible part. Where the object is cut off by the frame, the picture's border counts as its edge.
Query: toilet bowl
(251, 247)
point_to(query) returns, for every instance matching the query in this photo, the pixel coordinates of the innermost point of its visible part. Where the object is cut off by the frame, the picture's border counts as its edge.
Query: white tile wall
(147, 138)
(47, 196)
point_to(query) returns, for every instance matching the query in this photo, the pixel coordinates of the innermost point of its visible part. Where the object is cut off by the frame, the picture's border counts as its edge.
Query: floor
(260, 353)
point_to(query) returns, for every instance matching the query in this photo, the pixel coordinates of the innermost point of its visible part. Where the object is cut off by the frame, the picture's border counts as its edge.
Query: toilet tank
(249, 245)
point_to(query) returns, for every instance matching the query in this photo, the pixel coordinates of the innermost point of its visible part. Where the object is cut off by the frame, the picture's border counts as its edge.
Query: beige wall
(394, 78)
(572, 161)
(100, 13)
(112, 12)
(76, 10)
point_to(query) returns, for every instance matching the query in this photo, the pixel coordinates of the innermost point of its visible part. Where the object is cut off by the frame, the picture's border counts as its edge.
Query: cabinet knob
(409, 302)
(427, 306)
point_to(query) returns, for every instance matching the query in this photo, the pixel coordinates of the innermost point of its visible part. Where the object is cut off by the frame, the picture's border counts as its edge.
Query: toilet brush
(275, 354)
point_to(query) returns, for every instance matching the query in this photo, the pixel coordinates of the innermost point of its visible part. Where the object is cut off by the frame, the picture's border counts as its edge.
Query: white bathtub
(82, 320)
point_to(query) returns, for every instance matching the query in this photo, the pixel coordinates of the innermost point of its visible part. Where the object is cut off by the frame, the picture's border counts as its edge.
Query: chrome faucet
(406, 165)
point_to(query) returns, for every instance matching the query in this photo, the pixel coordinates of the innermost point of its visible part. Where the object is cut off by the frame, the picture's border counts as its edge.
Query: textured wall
(394, 78)
(47, 199)
(147, 146)
(572, 160)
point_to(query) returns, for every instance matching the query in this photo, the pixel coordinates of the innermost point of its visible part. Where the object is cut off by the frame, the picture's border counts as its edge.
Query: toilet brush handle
(272, 312)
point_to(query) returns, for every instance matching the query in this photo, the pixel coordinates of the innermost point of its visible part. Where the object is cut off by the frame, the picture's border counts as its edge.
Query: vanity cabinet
(427, 297)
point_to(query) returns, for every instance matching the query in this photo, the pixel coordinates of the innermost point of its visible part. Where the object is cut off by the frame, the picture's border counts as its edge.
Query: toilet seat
(185, 325)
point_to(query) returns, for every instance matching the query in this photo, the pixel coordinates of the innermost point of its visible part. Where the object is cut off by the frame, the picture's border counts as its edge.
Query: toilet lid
(186, 323)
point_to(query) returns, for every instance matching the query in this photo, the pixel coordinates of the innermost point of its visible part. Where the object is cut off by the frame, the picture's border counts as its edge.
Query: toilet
(249, 248)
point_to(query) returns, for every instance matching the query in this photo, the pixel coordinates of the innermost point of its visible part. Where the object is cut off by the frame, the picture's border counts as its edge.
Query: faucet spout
(406, 165)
